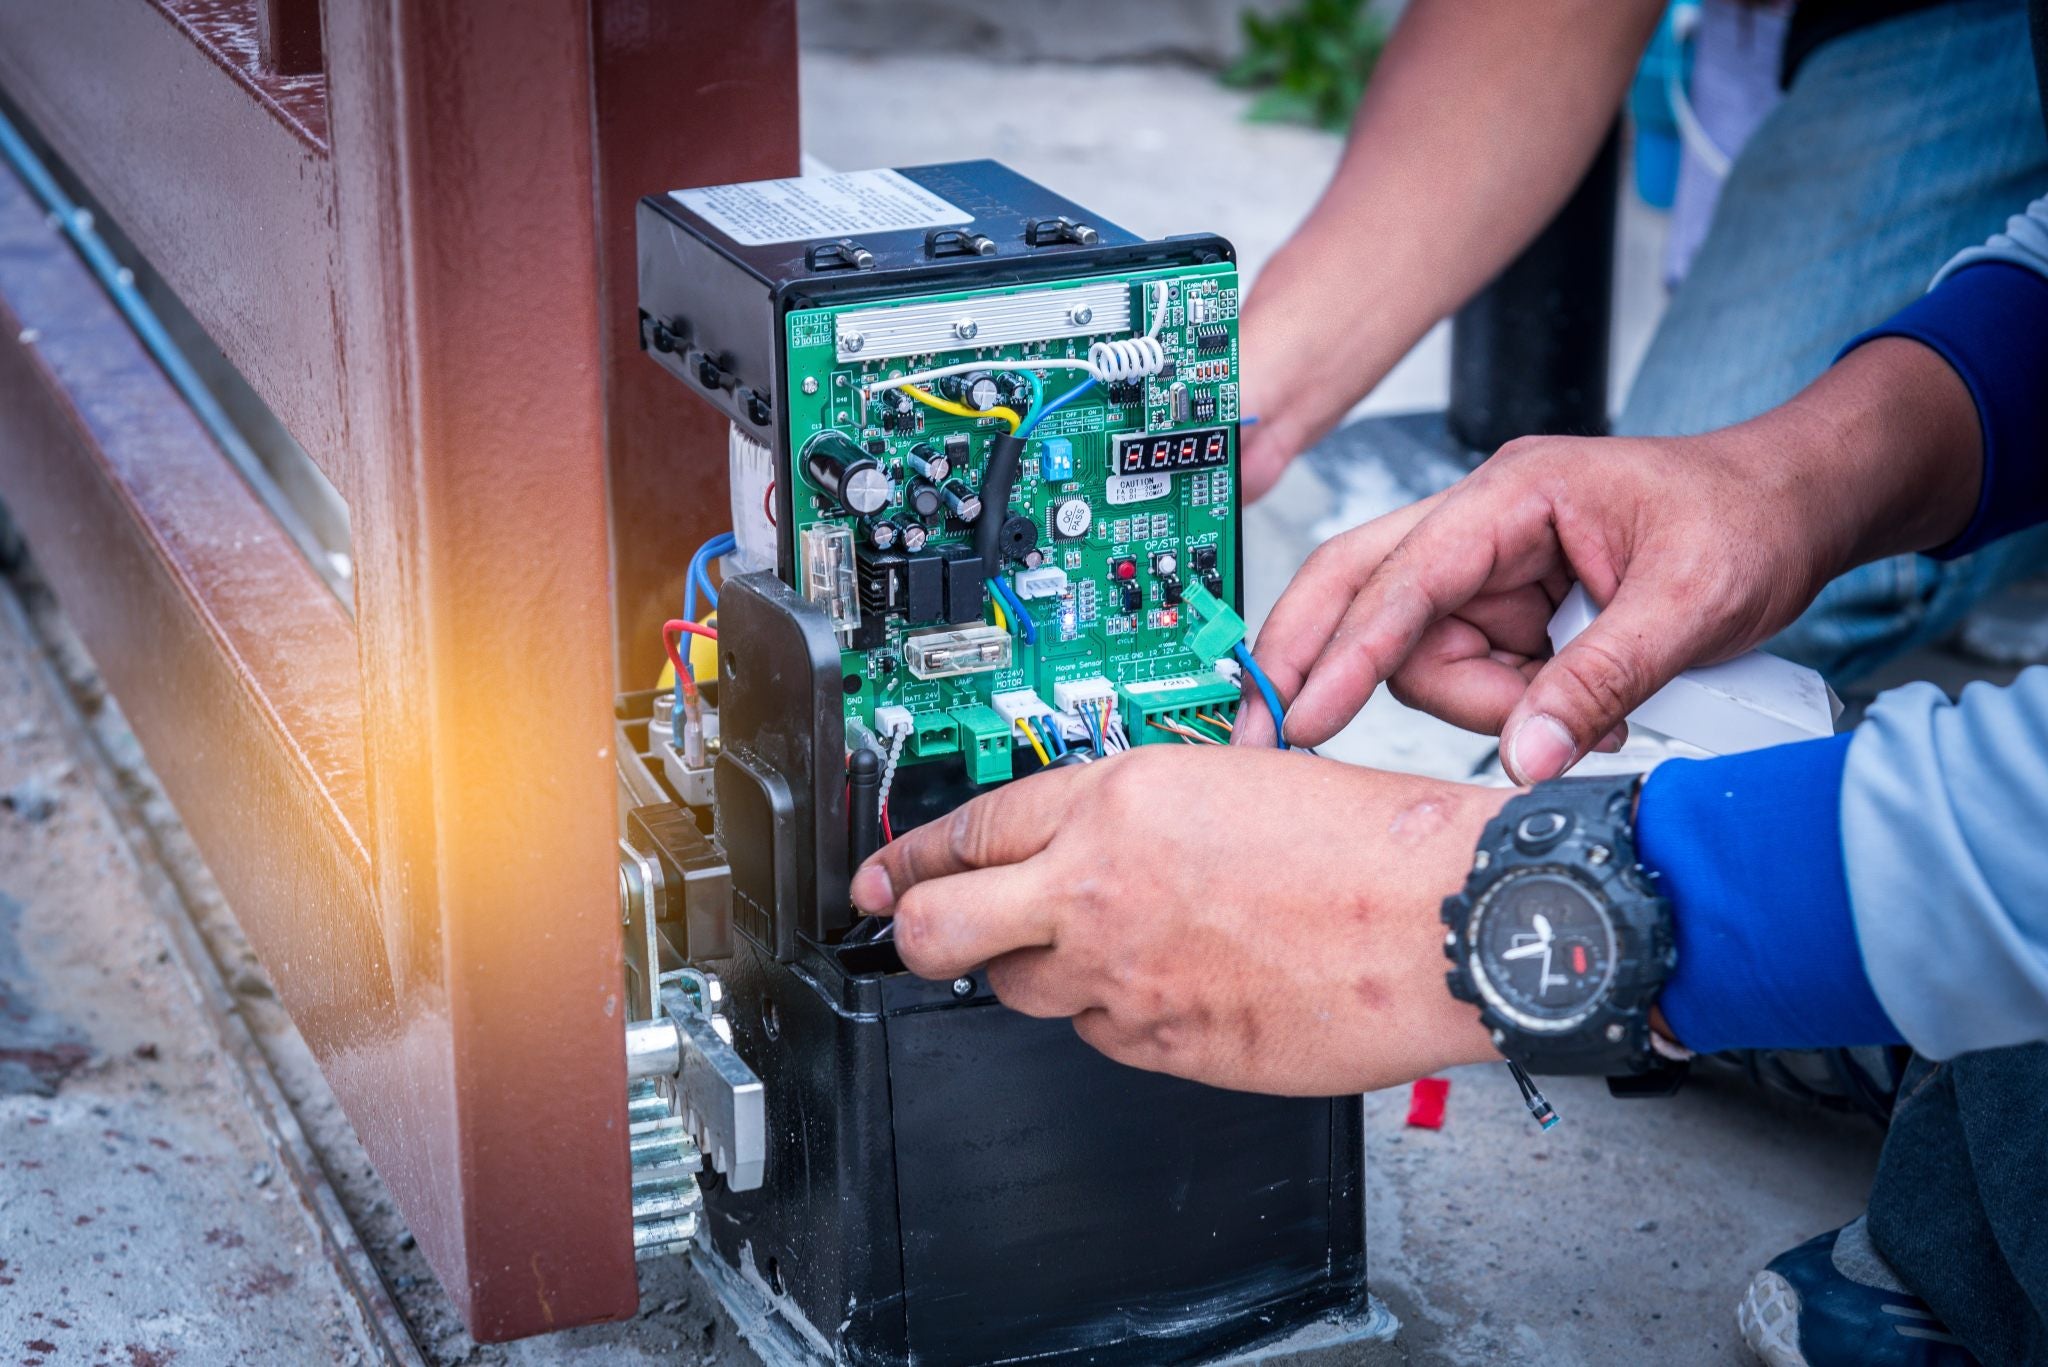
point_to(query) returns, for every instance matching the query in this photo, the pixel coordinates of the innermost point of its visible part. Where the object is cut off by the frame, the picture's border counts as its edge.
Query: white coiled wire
(1126, 359)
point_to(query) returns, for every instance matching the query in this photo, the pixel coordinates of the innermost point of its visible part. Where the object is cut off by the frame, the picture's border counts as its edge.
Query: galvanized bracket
(721, 1103)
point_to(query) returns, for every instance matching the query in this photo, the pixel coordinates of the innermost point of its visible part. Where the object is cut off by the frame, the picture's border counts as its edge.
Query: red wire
(887, 834)
(670, 631)
(768, 503)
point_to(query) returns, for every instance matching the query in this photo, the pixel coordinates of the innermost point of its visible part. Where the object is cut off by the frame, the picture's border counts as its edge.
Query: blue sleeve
(1749, 850)
(1989, 321)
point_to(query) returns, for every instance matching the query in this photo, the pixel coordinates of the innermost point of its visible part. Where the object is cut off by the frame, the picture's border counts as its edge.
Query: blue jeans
(1958, 1207)
(1896, 147)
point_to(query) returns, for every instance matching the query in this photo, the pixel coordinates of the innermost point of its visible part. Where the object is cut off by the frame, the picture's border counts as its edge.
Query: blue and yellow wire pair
(1046, 741)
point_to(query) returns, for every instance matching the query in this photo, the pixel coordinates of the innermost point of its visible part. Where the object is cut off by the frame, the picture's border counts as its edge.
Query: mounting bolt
(1080, 315)
(966, 329)
(810, 384)
(850, 342)
(1616, 1033)
(963, 987)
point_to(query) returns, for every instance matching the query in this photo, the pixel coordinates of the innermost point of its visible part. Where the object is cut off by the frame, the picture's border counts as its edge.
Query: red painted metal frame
(423, 261)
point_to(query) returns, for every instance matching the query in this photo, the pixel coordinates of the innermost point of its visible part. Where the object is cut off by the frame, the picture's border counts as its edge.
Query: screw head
(1080, 315)
(810, 384)
(1596, 855)
(1616, 1033)
(1500, 1039)
(851, 342)
(1480, 861)
(966, 329)
(963, 987)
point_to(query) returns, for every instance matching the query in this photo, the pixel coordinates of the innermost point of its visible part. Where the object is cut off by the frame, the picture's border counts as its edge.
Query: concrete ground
(174, 1178)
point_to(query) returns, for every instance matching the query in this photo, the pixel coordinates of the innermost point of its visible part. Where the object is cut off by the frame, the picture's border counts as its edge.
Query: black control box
(720, 267)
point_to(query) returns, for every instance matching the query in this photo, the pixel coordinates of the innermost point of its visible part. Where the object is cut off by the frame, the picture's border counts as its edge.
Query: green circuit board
(1130, 495)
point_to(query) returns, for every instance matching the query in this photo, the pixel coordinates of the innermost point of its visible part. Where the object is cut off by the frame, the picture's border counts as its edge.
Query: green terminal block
(1217, 628)
(934, 734)
(984, 742)
(1152, 708)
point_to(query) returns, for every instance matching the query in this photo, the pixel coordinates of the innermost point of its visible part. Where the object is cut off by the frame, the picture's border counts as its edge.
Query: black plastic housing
(950, 1182)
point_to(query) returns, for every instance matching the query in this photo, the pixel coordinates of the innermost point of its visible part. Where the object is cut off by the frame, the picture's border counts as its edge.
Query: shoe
(1833, 1302)
(1862, 1081)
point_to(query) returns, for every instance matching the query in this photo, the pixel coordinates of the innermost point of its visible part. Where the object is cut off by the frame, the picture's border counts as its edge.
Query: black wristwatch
(1561, 939)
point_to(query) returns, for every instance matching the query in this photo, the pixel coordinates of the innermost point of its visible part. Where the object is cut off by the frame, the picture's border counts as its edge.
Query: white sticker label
(1137, 488)
(793, 210)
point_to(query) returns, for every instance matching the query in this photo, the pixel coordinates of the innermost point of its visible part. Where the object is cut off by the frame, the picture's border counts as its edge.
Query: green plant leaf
(1313, 61)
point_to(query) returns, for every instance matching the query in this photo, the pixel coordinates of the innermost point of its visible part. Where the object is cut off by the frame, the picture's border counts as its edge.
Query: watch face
(1544, 950)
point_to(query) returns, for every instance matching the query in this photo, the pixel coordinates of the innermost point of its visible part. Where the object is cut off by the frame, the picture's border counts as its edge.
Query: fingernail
(1541, 750)
(871, 889)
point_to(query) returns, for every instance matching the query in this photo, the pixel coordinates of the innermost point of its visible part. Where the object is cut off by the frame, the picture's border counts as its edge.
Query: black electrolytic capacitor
(849, 474)
(961, 501)
(923, 500)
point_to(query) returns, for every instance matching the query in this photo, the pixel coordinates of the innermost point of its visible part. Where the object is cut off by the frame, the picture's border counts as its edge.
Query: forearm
(1478, 121)
(1879, 456)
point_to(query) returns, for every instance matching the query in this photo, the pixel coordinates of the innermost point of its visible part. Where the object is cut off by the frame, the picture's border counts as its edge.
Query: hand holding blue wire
(1140, 898)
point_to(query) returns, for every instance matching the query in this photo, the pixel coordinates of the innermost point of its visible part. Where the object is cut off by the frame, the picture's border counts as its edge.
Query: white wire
(1685, 22)
(889, 768)
(1132, 358)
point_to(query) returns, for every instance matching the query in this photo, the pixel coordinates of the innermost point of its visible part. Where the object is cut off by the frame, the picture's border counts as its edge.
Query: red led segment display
(1137, 455)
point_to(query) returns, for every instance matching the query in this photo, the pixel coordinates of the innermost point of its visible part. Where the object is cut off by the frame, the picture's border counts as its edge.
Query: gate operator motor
(998, 438)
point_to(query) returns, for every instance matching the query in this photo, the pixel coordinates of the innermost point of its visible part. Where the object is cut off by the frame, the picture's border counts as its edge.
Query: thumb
(1633, 648)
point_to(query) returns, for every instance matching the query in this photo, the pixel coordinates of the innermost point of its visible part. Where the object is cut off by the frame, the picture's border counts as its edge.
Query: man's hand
(1260, 921)
(1698, 548)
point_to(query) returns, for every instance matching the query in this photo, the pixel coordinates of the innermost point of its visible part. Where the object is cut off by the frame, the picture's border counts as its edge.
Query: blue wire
(1044, 411)
(1266, 691)
(1001, 588)
(1055, 736)
(1031, 725)
(701, 577)
(1094, 725)
(699, 573)
(1037, 387)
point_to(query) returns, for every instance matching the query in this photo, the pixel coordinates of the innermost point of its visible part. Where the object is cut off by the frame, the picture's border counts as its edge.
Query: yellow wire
(961, 410)
(997, 604)
(1043, 758)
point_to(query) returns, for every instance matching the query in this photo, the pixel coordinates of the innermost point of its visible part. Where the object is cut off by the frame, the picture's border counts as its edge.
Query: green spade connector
(1216, 628)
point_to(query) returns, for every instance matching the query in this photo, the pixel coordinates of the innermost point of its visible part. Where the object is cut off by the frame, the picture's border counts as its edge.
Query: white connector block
(1047, 581)
(1069, 696)
(1746, 703)
(1019, 702)
(892, 720)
